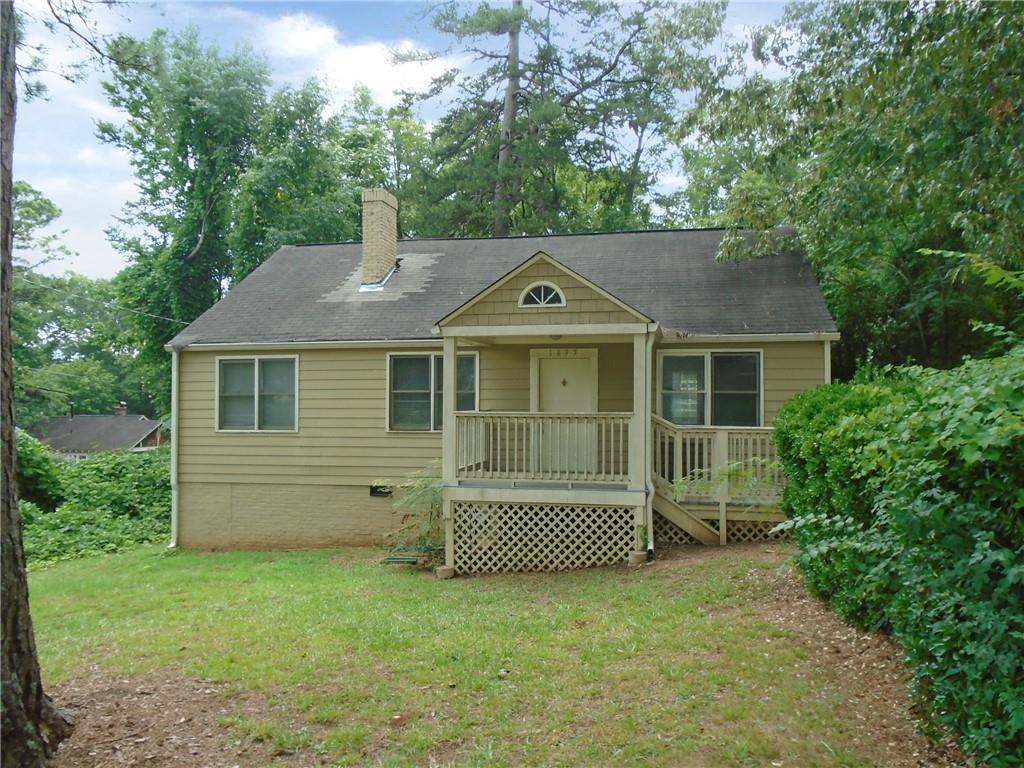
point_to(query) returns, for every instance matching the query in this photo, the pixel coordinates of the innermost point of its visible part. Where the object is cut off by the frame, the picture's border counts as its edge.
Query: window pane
(410, 374)
(236, 412)
(734, 410)
(277, 412)
(410, 410)
(438, 410)
(236, 377)
(277, 377)
(466, 374)
(237, 398)
(682, 374)
(683, 408)
(465, 401)
(543, 295)
(734, 372)
(277, 394)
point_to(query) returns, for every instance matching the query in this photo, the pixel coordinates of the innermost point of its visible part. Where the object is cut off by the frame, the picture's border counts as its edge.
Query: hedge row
(106, 502)
(905, 495)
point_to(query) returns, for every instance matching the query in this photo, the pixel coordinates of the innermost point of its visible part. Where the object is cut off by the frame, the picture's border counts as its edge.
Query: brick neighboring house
(587, 395)
(73, 437)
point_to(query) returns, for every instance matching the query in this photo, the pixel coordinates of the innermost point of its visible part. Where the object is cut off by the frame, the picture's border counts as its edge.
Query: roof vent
(380, 235)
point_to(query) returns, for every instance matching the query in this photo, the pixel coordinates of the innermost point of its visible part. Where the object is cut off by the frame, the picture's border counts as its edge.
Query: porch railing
(733, 464)
(567, 447)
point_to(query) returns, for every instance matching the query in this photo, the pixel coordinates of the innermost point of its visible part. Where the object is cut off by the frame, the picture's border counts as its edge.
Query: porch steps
(679, 515)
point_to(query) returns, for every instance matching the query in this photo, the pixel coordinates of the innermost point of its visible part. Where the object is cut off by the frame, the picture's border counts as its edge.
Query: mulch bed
(159, 719)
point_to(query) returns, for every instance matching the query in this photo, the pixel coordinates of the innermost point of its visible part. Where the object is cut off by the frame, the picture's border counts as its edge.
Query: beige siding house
(588, 396)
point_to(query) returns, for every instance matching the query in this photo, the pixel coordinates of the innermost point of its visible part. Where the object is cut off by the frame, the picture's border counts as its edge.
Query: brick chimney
(121, 409)
(380, 234)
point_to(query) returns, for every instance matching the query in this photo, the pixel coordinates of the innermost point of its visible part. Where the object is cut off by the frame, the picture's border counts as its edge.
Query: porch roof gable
(567, 314)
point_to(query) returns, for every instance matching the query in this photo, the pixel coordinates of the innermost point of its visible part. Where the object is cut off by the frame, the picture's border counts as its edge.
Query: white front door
(564, 381)
(566, 385)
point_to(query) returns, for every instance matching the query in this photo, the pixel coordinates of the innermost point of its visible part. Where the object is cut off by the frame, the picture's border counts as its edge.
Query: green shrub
(70, 532)
(114, 501)
(37, 472)
(125, 484)
(828, 498)
(906, 499)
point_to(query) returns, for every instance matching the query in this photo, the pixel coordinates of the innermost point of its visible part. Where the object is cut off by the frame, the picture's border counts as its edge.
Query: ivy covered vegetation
(906, 497)
(104, 503)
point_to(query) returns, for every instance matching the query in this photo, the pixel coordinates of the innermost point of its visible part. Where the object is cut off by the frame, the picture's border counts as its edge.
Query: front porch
(552, 490)
(562, 461)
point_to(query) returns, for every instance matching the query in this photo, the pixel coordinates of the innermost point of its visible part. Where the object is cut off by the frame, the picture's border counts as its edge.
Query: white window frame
(537, 284)
(709, 388)
(433, 357)
(256, 395)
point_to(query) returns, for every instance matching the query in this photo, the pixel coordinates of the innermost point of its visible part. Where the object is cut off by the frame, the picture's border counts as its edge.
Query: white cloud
(301, 46)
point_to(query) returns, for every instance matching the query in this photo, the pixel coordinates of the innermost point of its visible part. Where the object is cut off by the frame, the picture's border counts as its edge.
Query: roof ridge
(526, 237)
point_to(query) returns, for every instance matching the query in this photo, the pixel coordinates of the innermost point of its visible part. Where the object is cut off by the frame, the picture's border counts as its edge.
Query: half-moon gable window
(542, 295)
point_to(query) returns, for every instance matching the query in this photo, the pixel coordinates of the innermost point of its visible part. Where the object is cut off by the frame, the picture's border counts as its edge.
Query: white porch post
(448, 410)
(448, 447)
(638, 470)
(637, 423)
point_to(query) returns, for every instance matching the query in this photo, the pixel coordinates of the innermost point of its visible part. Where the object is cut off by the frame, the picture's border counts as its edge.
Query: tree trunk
(508, 118)
(32, 725)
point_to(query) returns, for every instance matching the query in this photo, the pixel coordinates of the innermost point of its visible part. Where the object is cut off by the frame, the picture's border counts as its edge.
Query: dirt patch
(864, 669)
(161, 719)
(683, 555)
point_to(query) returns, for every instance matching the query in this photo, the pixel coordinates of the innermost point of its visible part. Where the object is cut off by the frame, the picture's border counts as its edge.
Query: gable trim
(538, 257)
(138, 443)
(594, 329)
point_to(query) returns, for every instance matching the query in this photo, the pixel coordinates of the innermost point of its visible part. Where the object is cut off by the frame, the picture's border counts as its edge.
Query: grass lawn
(675, 664)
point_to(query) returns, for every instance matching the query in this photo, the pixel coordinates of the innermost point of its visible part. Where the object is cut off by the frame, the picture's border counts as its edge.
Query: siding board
(310, 488)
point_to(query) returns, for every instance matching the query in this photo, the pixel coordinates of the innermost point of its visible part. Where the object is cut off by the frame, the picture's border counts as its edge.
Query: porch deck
(543, 491)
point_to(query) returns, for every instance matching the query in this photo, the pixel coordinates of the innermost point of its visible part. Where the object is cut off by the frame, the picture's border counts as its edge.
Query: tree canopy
(895, 130)
(860, 125)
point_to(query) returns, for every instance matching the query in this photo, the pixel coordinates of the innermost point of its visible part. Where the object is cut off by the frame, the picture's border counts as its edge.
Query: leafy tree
(33, 213)
(563, 127)
(883, 143)
(70, 349)
(191, 117)
(295, 188)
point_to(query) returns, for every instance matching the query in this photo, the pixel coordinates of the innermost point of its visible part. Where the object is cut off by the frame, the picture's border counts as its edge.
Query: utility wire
(43, 389)
(111, 305)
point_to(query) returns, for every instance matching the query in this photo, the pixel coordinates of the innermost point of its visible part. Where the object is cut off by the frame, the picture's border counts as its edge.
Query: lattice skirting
(736, 531)
(667, 532)
(497, 537)
(751, 530)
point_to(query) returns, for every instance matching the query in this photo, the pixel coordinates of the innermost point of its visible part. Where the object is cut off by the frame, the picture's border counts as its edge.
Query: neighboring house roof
(83, 434)
(311, 292)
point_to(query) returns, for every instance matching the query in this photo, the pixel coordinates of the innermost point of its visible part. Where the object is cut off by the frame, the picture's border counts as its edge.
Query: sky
(343, 43)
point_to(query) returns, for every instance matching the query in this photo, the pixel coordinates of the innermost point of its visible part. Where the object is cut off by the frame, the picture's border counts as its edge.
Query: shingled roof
(84, 434)
(311, 292)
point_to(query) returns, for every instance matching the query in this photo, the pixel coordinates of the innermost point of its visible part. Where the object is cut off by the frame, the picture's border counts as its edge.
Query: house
(73, 437)
(587, 395)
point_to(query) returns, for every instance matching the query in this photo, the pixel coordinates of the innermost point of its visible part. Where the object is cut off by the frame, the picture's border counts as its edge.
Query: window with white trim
(542, 295)
(416, 396)
(735, 389)
(257, 394)
(718, 388)
(682, 389)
